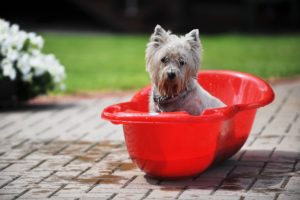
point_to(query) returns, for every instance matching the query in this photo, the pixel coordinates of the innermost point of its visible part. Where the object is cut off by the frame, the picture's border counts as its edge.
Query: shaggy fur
(173, 63)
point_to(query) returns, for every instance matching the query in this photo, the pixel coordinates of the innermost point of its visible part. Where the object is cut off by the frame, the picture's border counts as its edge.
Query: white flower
(37, 63)
(2, 37)
(36, 40)
(14, 29)
(8, 69)
(23, 64)
(54, 68)
(36, 52)
(47, 63)
(18, 40)
(12, 54)
(4, 27)
(13, 41)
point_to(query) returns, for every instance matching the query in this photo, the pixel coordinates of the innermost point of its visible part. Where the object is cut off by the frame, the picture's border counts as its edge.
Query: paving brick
(22, 182)
(196, 194)
(39, 193)
(119, 190)
(265, 183)
(164, 194)
(10, 190)
(217, 171)
(239, 180)
(105, 181)
(63, 176)
(290, 143)
(288, 197)
(260, 123)
(55, 163)
(242, 171)
(293, 185)
(21, 166)
(285, 156)
(206, 185)
(169, 185)
(144, 182)
(103, 195)
(266, 187)
(125, 196)
(259, 197)
(234, 186)
(7, 196)
(274, 169)
(295, 129)
(264, 143)
(74, 187)
(250, 163)
(5, 179)
(277, 127)
(257, 155)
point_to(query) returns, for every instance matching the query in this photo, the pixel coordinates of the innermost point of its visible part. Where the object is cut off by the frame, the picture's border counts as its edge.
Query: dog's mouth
(168, 91)
(165, 99)
(169, 88)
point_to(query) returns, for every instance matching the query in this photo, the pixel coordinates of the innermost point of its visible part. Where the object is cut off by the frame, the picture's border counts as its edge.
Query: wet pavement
(63, 150)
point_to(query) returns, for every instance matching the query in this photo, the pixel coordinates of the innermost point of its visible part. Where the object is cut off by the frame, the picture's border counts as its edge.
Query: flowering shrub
(22, 62)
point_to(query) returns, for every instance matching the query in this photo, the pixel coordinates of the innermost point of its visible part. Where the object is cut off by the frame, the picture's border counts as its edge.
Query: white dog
(173, 64)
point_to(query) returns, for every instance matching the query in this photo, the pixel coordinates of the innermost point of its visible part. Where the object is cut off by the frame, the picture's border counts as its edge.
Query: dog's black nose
(171, 75)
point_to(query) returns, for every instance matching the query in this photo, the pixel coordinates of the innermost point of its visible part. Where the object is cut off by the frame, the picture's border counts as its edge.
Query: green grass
(110, 62)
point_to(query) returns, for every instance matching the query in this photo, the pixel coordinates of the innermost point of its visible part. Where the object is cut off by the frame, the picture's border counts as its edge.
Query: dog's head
(173, 61)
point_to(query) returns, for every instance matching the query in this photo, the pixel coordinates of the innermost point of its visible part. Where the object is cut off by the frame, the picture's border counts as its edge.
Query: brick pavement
(64, 151)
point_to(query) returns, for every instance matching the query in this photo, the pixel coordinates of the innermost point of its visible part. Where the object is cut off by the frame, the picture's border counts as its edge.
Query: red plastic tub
(172, 145)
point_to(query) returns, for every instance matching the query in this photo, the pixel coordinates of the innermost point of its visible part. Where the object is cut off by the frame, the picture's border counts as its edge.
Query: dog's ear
(193, 38)
(159, 36)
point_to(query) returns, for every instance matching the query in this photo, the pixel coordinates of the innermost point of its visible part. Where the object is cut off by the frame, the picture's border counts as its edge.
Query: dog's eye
(181, 62)
(164, 60)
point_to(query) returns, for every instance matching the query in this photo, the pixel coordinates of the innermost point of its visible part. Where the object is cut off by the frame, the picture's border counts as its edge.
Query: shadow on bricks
(254, 173)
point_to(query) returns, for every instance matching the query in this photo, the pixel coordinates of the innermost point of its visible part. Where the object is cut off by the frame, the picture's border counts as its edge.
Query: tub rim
(115, 113)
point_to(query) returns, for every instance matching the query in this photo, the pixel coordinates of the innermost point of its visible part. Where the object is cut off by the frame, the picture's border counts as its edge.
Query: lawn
(116, 62)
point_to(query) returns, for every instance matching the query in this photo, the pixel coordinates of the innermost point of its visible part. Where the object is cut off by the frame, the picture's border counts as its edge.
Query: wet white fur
(188, 47)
